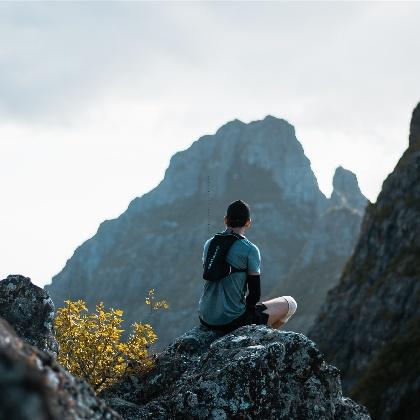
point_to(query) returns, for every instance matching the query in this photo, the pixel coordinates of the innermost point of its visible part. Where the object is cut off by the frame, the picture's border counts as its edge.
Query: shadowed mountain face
(157, 242)
(370, 324)
(318, 266)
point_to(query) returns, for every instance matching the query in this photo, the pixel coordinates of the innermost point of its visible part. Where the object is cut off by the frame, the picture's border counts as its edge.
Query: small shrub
(91, 346)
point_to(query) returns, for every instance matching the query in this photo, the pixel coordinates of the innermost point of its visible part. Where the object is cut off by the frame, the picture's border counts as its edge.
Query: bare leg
(278, 324)
(277, 309)
(280, 310)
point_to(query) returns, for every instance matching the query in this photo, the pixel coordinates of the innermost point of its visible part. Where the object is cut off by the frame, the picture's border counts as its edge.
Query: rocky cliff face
(370, 324)
(157, 242)
(254, 372)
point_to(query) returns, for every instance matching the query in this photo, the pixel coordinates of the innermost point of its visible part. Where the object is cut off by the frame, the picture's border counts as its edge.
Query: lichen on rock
(253, 372)
(30, 311)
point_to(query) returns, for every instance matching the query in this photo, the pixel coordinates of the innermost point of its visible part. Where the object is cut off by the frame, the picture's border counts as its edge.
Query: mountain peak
(272, 118)
(345, 180)
(346, 191)
(231, 125)
(415, 126)
(275, 120)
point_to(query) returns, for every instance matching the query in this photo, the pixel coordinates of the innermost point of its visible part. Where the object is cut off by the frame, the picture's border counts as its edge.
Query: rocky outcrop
(336, 231)
(30, 310)
(369, 326)
(262, 163)
(414, 139)
(346, 192)
(254, 372)
(319, 265)
(34, 386)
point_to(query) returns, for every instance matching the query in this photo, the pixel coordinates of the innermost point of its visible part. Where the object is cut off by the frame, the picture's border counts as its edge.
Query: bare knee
(276, 309)
(292, 306)
(280, 310)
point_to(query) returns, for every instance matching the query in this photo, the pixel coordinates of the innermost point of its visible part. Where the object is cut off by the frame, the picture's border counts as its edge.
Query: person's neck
(239, 230)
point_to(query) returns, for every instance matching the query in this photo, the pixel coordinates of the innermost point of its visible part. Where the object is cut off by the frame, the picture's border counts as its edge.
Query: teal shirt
(223, 301)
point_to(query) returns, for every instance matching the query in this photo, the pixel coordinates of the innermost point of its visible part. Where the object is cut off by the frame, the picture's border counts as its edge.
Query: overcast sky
(96, 97)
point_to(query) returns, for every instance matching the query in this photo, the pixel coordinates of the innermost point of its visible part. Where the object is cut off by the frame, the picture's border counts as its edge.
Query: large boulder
(30, 310)
(34, 386)
(253, 372)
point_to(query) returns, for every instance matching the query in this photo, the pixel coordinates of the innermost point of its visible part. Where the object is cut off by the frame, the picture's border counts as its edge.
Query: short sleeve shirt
(223, 301)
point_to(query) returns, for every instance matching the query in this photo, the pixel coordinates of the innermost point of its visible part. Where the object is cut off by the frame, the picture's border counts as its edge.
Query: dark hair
(238, 213)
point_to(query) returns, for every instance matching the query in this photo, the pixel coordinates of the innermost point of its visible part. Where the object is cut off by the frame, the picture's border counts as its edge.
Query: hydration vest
(216, 267)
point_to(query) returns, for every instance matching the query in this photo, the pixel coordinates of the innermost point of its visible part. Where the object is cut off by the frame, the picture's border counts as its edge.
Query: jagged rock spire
(415, 126)
(346, 190)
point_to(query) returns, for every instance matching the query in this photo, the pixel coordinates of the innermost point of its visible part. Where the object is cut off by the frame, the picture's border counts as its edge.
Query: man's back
(223, 301)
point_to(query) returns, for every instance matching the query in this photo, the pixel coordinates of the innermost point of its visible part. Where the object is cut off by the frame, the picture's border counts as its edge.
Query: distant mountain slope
(157, 242)
(318, 266)
(370, 324)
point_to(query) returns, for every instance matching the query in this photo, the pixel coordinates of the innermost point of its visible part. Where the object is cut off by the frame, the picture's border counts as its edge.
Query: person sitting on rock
(223, 305)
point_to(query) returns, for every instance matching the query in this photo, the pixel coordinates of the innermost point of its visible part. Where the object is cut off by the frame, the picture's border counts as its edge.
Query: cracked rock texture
(30, 310)
(370, 325)
(253, 372)
(33, 386)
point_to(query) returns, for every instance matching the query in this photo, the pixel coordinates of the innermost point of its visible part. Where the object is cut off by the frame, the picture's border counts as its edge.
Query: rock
(369, 325)
(30, 310)
(253, 372)
(346, 191)
(33, 386)
(170, 364)
(414, 138)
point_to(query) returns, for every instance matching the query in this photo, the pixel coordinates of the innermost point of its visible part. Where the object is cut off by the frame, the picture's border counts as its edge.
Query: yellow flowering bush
(91, 346)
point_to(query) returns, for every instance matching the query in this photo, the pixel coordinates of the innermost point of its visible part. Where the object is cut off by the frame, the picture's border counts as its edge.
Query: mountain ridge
(261, 162)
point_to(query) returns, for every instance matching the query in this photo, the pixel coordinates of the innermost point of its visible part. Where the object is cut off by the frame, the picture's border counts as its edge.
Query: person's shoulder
(252, 247)
(254, 258)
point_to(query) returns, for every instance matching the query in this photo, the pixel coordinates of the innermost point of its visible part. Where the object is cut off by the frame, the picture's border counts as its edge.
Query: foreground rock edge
(254, 372)
(34, 386)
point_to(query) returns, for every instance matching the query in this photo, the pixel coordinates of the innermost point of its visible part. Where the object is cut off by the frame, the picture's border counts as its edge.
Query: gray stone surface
(254, 372)
(30, 310)
(33, 386)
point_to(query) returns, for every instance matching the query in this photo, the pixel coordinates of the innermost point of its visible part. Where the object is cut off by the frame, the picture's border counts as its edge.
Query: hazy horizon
(96, 97)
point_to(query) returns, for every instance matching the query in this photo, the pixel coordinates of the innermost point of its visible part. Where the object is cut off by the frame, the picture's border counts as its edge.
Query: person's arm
(253, 276)
(254, 289)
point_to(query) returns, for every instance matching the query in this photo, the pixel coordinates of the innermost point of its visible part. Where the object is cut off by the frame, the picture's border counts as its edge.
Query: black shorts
(252, 315)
